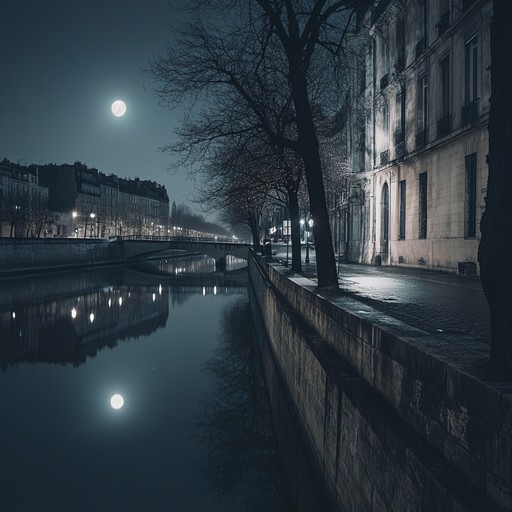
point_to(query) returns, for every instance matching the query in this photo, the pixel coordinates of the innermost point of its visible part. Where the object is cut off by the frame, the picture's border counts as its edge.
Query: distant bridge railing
(165, 238)
(139, 247)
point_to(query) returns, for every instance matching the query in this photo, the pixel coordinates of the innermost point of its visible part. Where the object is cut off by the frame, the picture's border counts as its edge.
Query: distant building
(419, 199)
(84, 202)
(23, 201)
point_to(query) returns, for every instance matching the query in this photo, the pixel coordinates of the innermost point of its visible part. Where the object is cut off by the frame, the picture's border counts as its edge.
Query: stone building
(23, 201)
(79, 202)
(420, 196)
(93, 204)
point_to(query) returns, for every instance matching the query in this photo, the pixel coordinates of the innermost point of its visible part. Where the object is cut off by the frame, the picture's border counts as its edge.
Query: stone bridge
(132, 249)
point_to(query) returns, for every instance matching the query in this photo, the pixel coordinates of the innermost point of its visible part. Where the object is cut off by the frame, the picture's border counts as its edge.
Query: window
(423, 205)
(422, 116)
(422, 27)
(445, 86)
(400, 145)
(401, 227)
(469, 112)
(374, 63)
(471, 73)
(470, 213)
(444, 17)
(400, 115)
(400, 45)
(385, 118)
(384, 80)
(444, 122)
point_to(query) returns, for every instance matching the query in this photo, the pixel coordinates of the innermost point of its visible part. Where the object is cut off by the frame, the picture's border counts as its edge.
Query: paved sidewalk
(448, 306)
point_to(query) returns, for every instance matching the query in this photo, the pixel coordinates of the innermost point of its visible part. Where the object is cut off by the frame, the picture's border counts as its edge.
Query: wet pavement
(447, 306)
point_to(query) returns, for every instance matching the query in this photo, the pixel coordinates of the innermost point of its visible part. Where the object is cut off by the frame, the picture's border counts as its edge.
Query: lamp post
(93, 215)
(73, 223)
(310, 225)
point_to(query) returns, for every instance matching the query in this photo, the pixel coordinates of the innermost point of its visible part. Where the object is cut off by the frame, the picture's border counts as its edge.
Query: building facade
(420, 196)
(24, 209)
(72, 200)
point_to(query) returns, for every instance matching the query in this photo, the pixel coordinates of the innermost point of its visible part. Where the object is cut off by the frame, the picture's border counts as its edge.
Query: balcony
(400, 63)
(400, 150)
(444, 23)
(420, 46)
(469, 112)
(399, 137)
(421, 138)
(384, 81)
(444, 126)
(384, 157)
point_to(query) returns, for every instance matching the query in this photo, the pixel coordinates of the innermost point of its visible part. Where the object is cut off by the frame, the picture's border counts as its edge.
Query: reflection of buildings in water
(68, 329)
(66, 316)
(191, 265)
(243, 471)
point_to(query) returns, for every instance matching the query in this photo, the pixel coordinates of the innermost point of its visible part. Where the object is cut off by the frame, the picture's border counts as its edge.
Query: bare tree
(41, 214)
(16, 210)
(256, 51)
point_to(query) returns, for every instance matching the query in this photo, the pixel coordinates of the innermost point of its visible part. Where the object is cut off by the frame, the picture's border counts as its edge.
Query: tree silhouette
(495, 248)
(263, 52)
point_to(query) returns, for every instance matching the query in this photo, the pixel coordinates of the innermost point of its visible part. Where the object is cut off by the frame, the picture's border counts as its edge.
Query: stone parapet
(28, 255)
(397, 419)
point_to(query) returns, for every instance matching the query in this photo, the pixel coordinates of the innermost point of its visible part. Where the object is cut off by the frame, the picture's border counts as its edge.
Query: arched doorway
(384, 232)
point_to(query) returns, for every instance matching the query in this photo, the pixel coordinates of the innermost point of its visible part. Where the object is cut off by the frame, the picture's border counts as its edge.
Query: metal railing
(444, 126)
(469, 112)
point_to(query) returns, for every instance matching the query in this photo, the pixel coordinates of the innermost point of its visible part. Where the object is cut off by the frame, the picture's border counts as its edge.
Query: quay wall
(395, 421)
(34, 254)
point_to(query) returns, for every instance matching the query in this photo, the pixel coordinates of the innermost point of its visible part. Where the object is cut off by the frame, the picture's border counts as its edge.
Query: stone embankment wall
(26, 254)
(394, 421)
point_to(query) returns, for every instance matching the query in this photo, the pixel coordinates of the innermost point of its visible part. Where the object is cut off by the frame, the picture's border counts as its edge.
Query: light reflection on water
(171, 352)
(196, 264)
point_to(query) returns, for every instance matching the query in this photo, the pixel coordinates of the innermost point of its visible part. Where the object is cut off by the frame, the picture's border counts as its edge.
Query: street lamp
(310, 224)
(73, 223)
(93, 215)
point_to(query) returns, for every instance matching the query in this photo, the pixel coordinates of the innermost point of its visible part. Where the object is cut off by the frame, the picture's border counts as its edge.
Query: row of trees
(25, 214)
(183, 216)
(263, 79)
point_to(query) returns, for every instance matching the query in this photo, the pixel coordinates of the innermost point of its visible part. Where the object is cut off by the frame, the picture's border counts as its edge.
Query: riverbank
(395, 418)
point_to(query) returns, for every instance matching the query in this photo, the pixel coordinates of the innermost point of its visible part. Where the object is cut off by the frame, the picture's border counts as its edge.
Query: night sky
(63, 63)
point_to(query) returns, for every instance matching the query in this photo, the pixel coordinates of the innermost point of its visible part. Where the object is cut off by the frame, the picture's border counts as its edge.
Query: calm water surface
(193, 433)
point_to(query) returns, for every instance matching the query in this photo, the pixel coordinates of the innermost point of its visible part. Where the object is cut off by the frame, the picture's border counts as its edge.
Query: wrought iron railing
(444, 126)
(384, 157)
(400, 63)
(469, 112)
(384, 81)
(421, 138)
(444, 23)
(420, 46)
(400, 150)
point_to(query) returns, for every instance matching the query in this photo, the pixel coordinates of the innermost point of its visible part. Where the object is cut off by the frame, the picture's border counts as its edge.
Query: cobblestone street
(448, 306)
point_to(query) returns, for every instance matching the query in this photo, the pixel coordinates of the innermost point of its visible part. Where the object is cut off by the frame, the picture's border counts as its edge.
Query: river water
(134, 389)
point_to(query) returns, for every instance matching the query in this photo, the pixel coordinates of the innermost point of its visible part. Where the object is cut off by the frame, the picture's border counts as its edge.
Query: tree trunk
(293, 203)
(495, 250)
(307, 143)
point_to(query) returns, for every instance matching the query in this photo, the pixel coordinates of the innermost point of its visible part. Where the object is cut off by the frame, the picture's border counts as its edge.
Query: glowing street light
(310, 225)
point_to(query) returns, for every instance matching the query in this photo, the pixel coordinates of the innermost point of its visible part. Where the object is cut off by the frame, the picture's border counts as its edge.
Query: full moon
(118, 108)
(117, 401)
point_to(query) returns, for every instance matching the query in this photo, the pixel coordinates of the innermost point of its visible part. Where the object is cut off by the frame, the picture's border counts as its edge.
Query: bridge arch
(132, 249)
